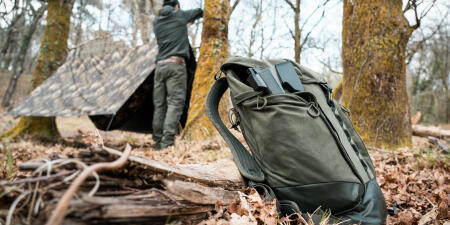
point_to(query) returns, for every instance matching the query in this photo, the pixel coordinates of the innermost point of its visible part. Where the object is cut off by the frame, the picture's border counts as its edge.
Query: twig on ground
(384, 151)
(431, 203)
(35, 179)
(381, 150)
(13, 207)
(100, 138)
(60, 212)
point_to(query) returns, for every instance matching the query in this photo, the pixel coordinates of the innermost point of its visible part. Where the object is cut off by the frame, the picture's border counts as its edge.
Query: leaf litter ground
(416, 179)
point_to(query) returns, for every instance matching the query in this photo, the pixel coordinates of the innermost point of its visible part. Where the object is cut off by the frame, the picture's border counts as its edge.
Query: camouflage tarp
(115, 90)
(97, 85)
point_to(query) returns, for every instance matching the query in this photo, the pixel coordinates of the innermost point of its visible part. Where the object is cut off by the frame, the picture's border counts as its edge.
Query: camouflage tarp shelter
(114, 90)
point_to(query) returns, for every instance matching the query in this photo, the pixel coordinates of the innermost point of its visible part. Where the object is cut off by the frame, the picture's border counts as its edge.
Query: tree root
(60, 212)
(40, 127)
(16, 130)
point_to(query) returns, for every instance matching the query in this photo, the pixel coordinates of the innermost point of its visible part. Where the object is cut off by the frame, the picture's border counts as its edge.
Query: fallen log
(223, 173)
(199, 194)
(425, 131)
(143, 191)
(148, 207)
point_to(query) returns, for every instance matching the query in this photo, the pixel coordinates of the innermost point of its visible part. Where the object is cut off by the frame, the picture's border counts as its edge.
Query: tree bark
(143, 20)
(53, 53)
(19, 59)
(374, 38)
(213, 52)
(297, 32)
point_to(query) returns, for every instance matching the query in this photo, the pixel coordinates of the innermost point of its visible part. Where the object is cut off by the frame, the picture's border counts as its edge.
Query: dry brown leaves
(417, 182)
(249, 209)
(416, 179)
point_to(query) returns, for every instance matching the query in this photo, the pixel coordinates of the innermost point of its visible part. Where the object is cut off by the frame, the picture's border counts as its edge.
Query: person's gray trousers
(169, 95)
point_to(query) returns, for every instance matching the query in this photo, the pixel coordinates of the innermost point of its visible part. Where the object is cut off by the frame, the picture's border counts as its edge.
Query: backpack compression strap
(244, 161)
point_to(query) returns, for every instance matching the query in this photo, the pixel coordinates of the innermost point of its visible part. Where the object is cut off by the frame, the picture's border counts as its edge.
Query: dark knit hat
(171, 2)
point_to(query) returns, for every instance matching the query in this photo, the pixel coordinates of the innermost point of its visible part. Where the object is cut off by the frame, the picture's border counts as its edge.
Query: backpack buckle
(313, 111)
(234, 119)
(218, 74)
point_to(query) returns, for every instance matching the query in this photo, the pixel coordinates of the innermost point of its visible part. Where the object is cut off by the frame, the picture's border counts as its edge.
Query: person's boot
(167, 141)
(157, 146)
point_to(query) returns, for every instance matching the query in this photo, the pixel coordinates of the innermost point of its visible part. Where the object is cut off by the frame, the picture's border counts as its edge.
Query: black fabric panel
(372, 209)
(336, 196)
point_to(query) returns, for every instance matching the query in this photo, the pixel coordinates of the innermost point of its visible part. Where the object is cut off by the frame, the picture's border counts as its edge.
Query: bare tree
(18, 61)
(257, 29)
(299, 33)
(429, 60)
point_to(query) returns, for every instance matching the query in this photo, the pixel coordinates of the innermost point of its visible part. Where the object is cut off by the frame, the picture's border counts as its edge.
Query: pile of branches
(105, 186)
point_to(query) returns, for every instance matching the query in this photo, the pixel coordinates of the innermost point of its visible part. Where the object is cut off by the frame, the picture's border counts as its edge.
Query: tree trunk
(9, 40)
(52, 54)
(78, 28)
(143, 21)
(374, 38)
(19, 59)
(213, 52)
(297, 32)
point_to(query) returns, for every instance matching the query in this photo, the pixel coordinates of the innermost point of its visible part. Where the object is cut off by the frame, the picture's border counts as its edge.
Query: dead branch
(60, 211)
(223, 173)
(424, 131)
(290, 4)
(233, 7)
(35, 179)
(199, 194)
(438, 143)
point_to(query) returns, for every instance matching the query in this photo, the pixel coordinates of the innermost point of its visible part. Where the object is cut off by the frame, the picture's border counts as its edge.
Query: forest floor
(416, 178)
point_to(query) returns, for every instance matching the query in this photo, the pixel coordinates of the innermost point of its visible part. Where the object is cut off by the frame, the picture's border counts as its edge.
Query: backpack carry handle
(244, 161)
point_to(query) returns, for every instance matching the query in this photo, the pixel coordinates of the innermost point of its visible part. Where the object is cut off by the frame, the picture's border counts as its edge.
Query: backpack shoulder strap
(244, 161)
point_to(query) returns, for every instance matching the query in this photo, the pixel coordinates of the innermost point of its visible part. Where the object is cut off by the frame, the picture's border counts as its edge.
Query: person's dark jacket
(170, 29)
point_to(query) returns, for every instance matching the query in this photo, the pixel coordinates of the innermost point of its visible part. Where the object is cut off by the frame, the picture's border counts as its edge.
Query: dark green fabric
(305, 145)
(169, 94)
(272, 121)
(170, 29)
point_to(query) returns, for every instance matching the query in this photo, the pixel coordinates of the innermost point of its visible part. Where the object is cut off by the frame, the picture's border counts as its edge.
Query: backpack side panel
(372, 209)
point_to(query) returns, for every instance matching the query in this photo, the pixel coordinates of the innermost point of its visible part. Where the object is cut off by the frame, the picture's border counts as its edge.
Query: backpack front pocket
(293, 144)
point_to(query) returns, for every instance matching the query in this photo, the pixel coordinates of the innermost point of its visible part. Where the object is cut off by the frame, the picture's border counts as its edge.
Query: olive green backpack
(304, 149)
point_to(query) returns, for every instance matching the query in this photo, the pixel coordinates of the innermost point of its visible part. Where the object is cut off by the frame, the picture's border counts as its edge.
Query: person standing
(170, 81)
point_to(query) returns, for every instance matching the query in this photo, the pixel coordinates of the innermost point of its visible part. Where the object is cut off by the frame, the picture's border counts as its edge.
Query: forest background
(260, 29)
(310, 32)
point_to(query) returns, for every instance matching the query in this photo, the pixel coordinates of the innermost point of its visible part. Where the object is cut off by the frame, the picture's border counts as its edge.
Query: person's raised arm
(192, 15)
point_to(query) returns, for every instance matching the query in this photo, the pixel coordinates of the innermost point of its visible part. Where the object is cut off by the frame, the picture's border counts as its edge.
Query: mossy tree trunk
(213, 52)
(53, 54)
(374, 38)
